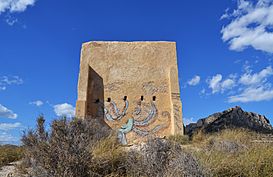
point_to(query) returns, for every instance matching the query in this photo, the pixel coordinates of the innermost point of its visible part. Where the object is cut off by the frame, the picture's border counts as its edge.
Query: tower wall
(132, 86)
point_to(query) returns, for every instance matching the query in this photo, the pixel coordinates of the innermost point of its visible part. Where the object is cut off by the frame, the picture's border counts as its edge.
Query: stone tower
(132, 86)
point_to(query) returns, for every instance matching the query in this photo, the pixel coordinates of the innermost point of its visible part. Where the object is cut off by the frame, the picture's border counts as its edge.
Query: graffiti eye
(125, 98)
(108, 99)
(154, 98)
(142, 98)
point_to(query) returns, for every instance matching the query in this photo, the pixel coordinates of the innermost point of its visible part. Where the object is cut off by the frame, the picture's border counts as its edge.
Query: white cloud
(251, 26)
(12, 80)
(6, 113)
(37, 103)
(194, 81)
(10, 20)
(64, 109)
(187, 121)
(12, 6)
(256, 78)
(218, 85)
(249, 86)
(227, 84)
(253, 94)
(214, 83)
(254, 87)
(6, 138)
(9, 126)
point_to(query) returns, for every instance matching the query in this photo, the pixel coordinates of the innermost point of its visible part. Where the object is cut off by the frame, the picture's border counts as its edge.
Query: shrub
(157, 157)
(160, 157)
(85, 148)
(65, 149)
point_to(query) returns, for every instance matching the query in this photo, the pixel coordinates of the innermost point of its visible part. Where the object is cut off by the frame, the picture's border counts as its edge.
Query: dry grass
(108, 147)
(233, 153)
(180, 139)
(10, 153)
(108, 156)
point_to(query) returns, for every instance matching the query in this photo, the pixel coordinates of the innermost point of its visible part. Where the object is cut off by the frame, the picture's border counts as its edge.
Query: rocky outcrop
(232, 118)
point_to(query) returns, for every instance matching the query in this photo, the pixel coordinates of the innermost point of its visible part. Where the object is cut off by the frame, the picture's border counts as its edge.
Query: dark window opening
(154, 98)
(108, 99)
(142, 98)
(125, 98)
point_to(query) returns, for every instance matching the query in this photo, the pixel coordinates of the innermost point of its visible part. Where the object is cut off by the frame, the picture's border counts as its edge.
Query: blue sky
(224, 53)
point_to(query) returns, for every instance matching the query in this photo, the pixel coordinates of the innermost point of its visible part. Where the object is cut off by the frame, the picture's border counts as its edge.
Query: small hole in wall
(125, 98)
(108, 99)
(142, 98)
(97, 101)
(154, 98)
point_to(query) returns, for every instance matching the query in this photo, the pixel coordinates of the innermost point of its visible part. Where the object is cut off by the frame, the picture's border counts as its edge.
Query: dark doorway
(95, 95)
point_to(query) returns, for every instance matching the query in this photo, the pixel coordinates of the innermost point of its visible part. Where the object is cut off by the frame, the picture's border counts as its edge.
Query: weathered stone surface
(231, 118)
(132, 86)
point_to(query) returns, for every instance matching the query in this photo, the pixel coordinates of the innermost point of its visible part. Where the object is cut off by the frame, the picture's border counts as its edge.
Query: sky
(224, 53)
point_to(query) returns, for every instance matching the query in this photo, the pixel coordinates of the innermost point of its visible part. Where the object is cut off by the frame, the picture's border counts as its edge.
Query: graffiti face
(139, 121)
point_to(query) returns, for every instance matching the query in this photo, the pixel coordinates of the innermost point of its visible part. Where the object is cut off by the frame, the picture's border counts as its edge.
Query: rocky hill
(232, 118)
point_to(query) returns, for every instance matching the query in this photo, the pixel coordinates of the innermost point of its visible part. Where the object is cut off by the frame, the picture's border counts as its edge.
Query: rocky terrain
(232, 118)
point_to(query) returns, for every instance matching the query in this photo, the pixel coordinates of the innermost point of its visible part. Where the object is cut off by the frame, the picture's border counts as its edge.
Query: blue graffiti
(126, 128)
(107, 115)
(137, 109)
(134, 123)
(116, 112)
(149, 118)
(143, 133)
(117, 115)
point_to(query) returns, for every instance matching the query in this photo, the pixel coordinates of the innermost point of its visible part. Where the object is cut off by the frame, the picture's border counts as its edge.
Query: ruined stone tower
(132, 86)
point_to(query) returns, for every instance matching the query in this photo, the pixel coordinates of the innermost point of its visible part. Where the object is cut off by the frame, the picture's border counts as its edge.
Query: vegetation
(235, 153)
(86, 148)
(65, 150)
(10, 153)
(180, 139)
